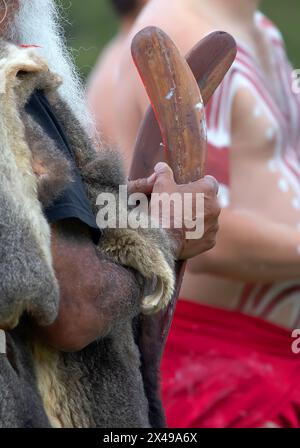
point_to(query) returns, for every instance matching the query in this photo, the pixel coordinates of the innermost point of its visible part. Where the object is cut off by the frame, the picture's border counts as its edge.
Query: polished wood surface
(209, 61)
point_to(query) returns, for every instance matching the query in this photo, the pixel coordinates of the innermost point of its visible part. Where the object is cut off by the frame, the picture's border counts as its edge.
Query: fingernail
(160, 167)
(214, 181)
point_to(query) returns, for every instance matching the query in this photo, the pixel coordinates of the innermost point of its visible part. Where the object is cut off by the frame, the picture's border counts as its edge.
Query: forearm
(95, 294)
(251, 248)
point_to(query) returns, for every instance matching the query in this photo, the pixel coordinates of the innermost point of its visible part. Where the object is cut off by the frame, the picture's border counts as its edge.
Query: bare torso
(264, 178)
(101, 89)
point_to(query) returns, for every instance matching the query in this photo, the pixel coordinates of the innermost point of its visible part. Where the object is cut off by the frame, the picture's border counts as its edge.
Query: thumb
(164, 173)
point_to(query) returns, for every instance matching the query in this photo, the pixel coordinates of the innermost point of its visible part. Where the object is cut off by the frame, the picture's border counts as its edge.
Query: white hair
(38, 22)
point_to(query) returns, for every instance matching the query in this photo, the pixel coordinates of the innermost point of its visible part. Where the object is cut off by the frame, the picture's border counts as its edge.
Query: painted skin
(259, 238)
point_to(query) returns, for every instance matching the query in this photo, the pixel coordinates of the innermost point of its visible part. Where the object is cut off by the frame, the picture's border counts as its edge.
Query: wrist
(176, 238)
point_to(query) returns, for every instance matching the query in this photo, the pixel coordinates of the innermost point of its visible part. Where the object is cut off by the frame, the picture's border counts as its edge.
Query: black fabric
(73, 202)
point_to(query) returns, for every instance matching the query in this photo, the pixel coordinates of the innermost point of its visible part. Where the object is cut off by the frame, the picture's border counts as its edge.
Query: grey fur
(20, 403)
(27, 281)
(102, 385)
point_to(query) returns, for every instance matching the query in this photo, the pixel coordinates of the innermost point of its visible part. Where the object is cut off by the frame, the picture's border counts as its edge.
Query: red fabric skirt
(223, 369)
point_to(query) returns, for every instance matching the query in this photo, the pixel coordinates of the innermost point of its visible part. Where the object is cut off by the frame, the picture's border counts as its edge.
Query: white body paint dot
(199, 106)
(283, 185)
(270, 134)
(296, 203)
(272, 165)
(257, 112)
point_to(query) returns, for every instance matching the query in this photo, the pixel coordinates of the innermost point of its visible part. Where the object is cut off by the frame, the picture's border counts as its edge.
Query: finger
(164, 173)
(142, 185)
(209, 185)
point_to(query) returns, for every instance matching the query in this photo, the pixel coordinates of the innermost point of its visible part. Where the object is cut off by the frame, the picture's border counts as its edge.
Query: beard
(38, 22)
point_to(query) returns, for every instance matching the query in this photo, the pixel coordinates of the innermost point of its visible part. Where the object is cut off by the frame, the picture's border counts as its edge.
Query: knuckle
(213, 208)
(212, 244)
(217, 210)
(211, 241)
(134, 186)
(211, 237)
(212, 214)
(140, 184)
(215, 229)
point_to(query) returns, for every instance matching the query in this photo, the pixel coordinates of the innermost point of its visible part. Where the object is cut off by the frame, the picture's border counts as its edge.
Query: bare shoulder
(268, 27)
(100, 90)
(253, 134)
(107, 59)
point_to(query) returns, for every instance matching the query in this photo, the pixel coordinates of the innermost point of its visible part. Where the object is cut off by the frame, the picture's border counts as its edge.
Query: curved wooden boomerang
(173, 128)
(209, 61)
(176, 101)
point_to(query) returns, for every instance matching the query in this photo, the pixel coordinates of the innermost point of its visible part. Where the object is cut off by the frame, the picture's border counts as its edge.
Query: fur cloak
(102, 385)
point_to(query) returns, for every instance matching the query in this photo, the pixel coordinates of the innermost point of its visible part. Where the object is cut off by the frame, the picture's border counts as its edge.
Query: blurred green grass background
(91, 23)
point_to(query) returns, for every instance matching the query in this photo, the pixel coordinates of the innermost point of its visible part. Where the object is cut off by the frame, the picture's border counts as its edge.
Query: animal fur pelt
(100, 386)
